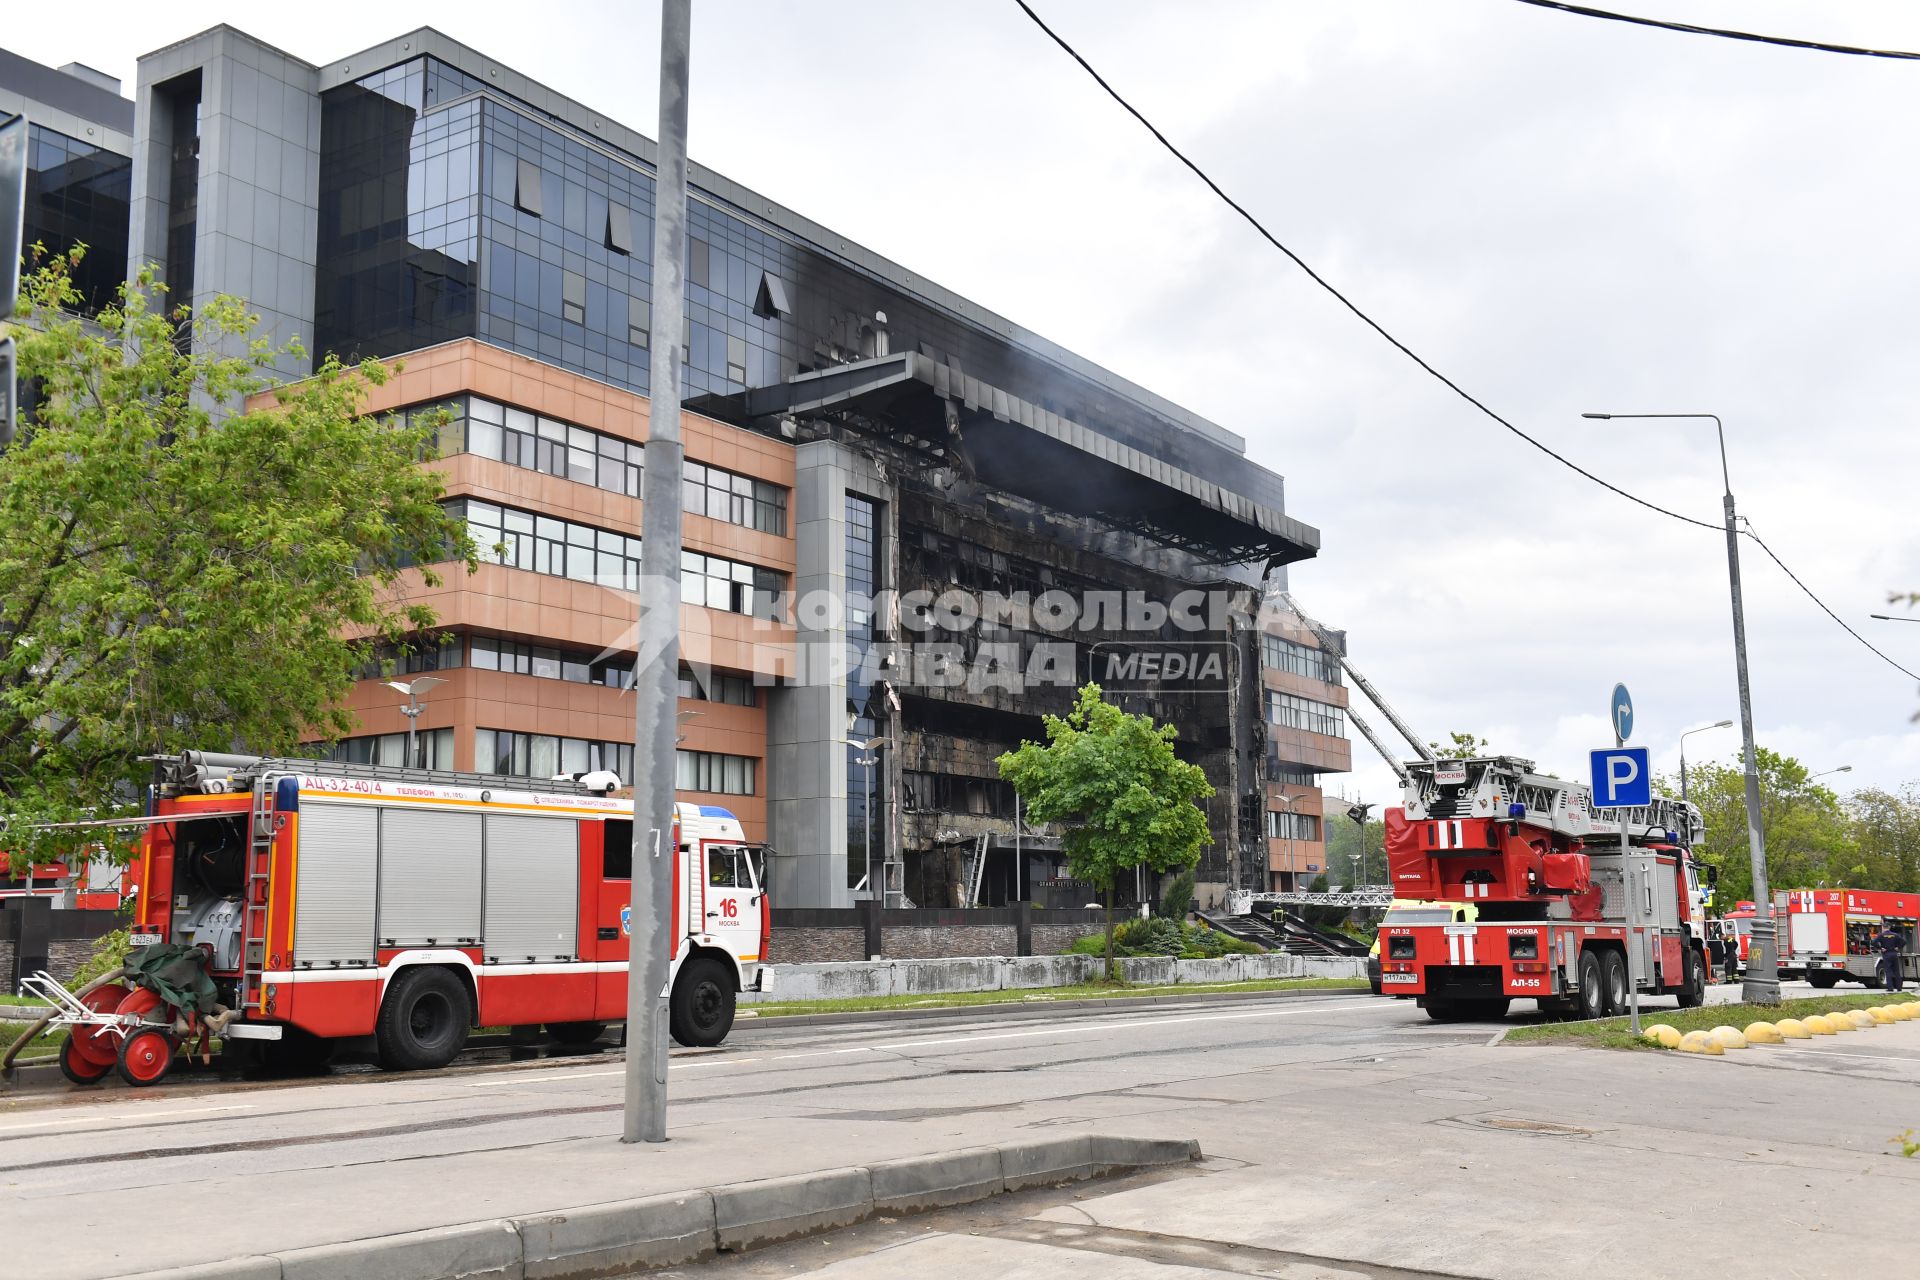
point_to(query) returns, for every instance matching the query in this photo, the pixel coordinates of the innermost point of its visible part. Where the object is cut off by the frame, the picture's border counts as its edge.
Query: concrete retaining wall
(1016, 973)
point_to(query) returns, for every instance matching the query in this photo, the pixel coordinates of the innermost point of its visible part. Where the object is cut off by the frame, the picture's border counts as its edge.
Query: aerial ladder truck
(1569, 901)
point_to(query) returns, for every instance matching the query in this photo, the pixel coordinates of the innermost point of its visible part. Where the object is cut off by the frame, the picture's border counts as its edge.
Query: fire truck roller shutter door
(333, 906)
(532, 888)
(429, 877)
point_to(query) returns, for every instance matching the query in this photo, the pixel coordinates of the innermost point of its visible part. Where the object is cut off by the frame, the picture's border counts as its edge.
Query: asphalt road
(1317, 1110)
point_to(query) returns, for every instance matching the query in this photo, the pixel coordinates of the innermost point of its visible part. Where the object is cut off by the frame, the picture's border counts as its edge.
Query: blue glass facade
(448, 210)
(77, 194)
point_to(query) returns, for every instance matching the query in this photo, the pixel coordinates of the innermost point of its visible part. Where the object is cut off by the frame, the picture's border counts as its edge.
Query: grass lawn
(1612, 1033)
(42, 1045)
(20, 1000)
(1044, 995)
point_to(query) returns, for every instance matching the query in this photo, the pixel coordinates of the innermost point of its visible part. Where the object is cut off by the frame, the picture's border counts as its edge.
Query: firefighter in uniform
(1891, 944)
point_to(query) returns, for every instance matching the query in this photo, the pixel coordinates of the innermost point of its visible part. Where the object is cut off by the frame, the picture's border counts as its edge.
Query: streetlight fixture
(1845, 768)
(1717, 724)
(868, 757)
(1762, 985)
(413, 689)
(1887, 617)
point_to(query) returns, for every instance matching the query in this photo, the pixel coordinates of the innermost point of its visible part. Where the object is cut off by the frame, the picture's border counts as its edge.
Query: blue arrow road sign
(1620, 778)
(1621, 713)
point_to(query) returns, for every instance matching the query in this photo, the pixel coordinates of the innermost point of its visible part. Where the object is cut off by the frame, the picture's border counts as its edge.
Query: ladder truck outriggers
(1562, 904)
(309, 903)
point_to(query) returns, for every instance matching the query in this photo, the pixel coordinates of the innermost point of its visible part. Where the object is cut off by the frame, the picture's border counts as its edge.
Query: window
(736, 359)
(719, 583)
(725, 495)
(433, 749)
(697, 262)
(1288, 774)
(1282, 825)
(522, 540)
(619, 228)
(1293, 712)
(441, 652)
(713, 772)
(573, 297)
(517, 657)
(771, 301)
(526, 188)
(1299, 660)
(541, 755)
(736, 691)
(616, 857)
(639, 322)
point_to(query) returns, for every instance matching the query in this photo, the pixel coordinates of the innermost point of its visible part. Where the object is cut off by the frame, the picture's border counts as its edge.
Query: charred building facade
(912, 528)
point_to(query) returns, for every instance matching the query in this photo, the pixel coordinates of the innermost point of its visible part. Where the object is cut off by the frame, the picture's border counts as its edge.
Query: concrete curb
(624, 1236)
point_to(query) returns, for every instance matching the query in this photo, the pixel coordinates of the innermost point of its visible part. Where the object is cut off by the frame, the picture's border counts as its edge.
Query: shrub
(1177, 899)
(1157, 936)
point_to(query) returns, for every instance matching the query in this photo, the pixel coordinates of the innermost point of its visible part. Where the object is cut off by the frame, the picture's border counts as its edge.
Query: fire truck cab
(403, 907)
(1564, 914)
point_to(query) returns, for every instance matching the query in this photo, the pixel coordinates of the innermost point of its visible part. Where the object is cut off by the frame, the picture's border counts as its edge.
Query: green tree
(177, 571)
(1113, 780)
(1809, 840)
(1177, 898)
(1462, 746)
(1885, 830)
(1347, 840)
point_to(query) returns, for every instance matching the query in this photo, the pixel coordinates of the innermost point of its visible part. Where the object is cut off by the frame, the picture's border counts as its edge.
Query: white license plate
(1399, 977)
(143, 939)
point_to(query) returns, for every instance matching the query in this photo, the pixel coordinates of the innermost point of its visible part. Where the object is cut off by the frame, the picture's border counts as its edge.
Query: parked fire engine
(339, 901)
(81, 884)
(1827, 934)
(1559, 901)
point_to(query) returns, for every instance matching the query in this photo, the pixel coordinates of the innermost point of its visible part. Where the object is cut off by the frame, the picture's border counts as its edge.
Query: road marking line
(121, 1119)
(889, 1046)
(1840, 1053)
(516, 1077)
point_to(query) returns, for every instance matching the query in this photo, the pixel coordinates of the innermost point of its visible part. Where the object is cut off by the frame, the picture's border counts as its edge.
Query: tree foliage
(1112, 779)
(1867, 840)
(1462, 746)
(177, 572)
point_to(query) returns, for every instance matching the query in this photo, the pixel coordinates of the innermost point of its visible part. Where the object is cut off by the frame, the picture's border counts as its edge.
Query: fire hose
(13, 1051)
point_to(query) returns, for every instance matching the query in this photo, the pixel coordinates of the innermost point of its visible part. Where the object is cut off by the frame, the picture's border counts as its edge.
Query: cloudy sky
(1562, 214)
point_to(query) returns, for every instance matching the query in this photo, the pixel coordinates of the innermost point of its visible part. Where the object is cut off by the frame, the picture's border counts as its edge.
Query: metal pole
(1762, 983)
(1629, 883)
(657, 658)
(868, 760)
(413, 723)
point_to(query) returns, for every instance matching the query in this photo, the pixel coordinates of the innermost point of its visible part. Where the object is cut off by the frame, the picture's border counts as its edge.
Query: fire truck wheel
(146, 1056)
(423, 1020)
(1823, 981)
(575, 1032)
(1693, 991)
(1593, 1003)
(79, 1068)
(1614, 982)
(701, 1011)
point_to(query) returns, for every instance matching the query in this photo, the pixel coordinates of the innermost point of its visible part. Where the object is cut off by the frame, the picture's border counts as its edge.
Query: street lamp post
(1845, 768)
(413, 689)
(868, 757)
(1293, 847)
(1717, 724)
(1762, 985)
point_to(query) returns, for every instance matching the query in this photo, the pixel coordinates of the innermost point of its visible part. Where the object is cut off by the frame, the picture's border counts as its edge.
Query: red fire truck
(1828, 934)
(1561, 904)
(89, 884)
(406, 906)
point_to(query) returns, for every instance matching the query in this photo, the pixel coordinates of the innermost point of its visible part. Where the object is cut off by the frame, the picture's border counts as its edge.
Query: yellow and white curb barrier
(1717, 1041)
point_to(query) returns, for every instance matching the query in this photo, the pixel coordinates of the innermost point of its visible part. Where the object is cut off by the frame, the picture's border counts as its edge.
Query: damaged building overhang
(1013, 444)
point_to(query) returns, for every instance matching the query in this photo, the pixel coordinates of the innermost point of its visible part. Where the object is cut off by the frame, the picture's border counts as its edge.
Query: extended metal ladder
(261, 828)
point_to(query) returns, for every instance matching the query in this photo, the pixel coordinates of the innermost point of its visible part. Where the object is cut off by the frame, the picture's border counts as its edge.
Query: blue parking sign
(1621, 778)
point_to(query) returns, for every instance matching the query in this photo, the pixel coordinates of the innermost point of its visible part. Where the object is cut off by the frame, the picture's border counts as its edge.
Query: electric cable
(1407, 351)
(1823, 604)
(1688, 28)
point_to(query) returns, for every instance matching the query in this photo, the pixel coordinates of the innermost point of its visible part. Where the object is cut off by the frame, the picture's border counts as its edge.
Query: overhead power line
(1402, 347)
(1823, 604)
(1688, 28)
